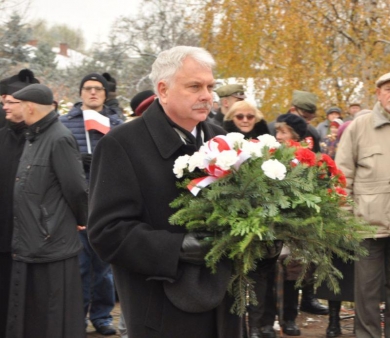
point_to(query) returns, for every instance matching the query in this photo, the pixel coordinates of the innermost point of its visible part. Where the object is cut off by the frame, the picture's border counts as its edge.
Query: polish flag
(96, 121)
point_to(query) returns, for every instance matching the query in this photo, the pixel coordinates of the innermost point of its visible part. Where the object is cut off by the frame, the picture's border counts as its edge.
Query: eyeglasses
(89, 89)
(11, 102)
(240, 117)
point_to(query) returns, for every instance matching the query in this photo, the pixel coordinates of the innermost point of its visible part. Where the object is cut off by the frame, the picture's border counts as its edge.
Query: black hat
(95, 77)
(14, 83)
(305, 101)
(139, 98)
(297, 123)
(111, 82)
(37, 93)
(333, 110)
(3, 86)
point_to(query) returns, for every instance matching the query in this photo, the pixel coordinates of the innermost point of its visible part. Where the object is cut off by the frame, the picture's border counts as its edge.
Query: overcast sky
(93, 17)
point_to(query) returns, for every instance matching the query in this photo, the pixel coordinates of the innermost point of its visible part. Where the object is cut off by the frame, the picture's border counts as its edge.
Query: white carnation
(237, 139)
(269, 141)
(197, 160)
(254, 149)
(274, 169)
(226, 159)
(181, 163)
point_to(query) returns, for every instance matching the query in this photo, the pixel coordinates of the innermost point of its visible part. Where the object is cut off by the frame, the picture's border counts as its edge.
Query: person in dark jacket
(164, 287)
(98, 282)
(12, 140)
(304, 104)
(111, 100)
(50, 205)
(244, 118)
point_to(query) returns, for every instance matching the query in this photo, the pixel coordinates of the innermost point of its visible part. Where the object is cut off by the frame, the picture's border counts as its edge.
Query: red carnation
(341, 178)
(330, 163)
(292, 143)
(340, 191)
(306, 156)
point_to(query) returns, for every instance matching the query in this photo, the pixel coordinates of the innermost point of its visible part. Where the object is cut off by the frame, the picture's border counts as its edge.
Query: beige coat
(364, 157)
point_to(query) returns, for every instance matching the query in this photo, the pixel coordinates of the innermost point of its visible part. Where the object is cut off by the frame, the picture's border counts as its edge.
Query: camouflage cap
(235, 90)
(305, 101)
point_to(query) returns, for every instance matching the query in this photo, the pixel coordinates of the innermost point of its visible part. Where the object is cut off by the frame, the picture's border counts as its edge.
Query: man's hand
(81, 227)
(195, 247)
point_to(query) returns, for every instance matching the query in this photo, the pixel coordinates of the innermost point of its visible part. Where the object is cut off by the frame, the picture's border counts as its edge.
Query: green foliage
(44, 57)
(247, 210)
(13, 37)
(53, 35)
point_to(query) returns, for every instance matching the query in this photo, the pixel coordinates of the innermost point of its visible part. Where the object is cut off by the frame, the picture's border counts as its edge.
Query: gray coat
(363, 156)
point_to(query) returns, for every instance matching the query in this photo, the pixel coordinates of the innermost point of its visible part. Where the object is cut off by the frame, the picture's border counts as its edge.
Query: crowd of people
(82, 207)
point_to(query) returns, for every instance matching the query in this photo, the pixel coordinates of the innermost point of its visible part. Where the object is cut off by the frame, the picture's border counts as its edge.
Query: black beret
(139, 98)
(37, 93)
(297, 123)
(95, 77)
(111, 82)
(16, 82)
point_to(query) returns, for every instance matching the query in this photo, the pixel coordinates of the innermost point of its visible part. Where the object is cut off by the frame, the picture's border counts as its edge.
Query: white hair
(170, 61)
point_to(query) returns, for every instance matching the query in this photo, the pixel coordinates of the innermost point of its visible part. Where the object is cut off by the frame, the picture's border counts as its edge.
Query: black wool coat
(12, 139)
(132, 184)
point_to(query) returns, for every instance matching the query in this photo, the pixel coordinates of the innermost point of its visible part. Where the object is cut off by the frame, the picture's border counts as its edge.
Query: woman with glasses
(244, 118)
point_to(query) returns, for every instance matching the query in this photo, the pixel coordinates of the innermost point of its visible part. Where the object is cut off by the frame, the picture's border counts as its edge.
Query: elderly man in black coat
(164, 287)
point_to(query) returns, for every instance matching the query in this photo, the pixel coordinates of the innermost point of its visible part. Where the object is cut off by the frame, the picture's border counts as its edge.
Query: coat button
(17, 179)
(29, 166)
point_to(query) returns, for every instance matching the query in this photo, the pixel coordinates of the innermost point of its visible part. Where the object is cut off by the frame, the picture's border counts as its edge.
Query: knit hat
(235, 90)
(37, 93)
(111, 82)
(141, 101)
(95, 77)
(305, 101)
(336, 123)
(333, 110)
(16, 82)
(297, 123)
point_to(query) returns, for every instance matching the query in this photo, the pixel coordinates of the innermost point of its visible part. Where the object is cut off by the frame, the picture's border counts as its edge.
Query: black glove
(195, 246)
(86, 159)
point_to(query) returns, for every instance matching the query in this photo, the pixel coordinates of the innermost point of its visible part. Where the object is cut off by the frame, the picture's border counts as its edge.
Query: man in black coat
(50, 205)
(12, 139)
(164, 287)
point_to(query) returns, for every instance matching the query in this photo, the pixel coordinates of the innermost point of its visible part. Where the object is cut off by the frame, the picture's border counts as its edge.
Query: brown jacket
(364, 157)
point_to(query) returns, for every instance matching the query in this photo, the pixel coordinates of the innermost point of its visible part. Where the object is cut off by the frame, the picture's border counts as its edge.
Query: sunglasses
(240, 117)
